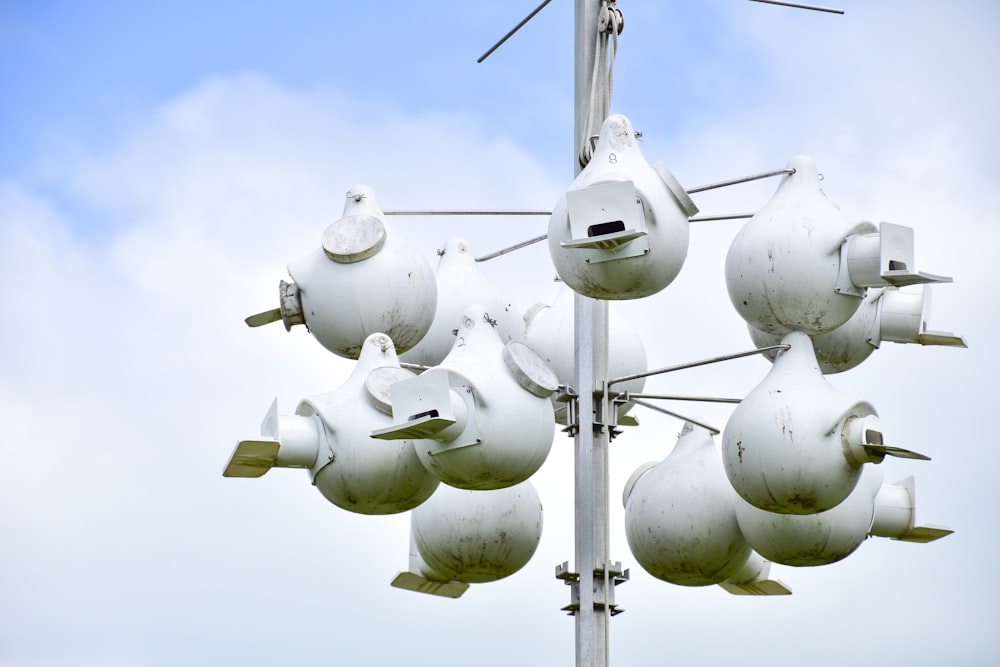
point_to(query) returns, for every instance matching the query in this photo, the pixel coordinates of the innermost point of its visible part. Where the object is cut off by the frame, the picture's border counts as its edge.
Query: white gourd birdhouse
(813, 539)
(795, 444)
(898, 315)
(872, 509)
(680, 520)
(783, 265)
(364, 279)
(550, 334)
(621, 231)
(329, 434)
(461, 284)
(461, 537)
(800, 264)
(482, 419)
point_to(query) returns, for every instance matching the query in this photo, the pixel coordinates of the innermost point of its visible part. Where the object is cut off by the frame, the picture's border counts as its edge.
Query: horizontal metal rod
(800, 6)
(694, 364)
(725, 216)
(628, 396)
(548, 212)
(512, 248)
(513, 30)
(657, 408)
(464, 212)
(745, 179)
(539, 212)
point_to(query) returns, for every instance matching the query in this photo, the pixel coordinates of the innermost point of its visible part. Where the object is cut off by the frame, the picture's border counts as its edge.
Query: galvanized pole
(591, 437)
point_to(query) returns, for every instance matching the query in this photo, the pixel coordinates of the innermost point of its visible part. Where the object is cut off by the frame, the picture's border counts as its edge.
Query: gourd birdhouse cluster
(455, 433)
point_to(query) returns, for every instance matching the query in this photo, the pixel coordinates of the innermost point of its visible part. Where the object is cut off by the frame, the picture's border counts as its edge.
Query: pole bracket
(604, 596)
(566, 394)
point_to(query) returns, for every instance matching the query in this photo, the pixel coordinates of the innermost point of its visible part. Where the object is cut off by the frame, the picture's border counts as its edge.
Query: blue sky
(161, 163)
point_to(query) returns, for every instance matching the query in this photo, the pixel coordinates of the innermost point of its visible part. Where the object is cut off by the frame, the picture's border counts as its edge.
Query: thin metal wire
(745, 179)
(800, 6)
(657, 408)
(538, 212)
(724, 216)
(509, 34)
(628, 396)
(512, 248)
(694, 364)
(546, 212)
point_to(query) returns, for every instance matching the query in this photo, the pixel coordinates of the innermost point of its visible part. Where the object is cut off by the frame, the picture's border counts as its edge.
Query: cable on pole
(610, 24)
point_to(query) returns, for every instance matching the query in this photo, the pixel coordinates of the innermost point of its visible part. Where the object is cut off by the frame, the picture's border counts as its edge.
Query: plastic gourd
(621, 231)
(783, 266)
(895, 515)
(482, 419)
(329, 434)
(460, 284)
(813, 539)
(680, 520)
(795, 445)
(872, 509)
(359, 473)
(364, 279)
(550, 334)
(890, 314)
(462, 537)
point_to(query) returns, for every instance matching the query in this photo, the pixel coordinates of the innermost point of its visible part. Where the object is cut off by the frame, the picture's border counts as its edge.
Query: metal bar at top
(694, 364)
(724, 216)
(628, 396)
(522, 244)
(513, 30)
(656, 408)
(744, 179)
(538, 212)
(800, 6)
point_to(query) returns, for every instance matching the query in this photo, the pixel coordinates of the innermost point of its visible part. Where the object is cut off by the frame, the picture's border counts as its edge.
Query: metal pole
(591, 438)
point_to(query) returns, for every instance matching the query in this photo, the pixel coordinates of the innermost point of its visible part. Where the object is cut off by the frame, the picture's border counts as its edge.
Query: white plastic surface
(550, 334)
(427, 406)
(754, 579)
(603, 242)
(842, 348)
(475, 536)
(903, 316)
(355, 471)
(286, 442)
(531, 371)
(372, 285)
(783, 447)
(680, 518)
(782, 267)
(813, 539)
(461, 284)
(515, 427)
(881, 259)
(897, 315)
(895, 515)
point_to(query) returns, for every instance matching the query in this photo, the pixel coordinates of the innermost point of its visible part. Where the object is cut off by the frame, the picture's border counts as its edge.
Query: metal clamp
(604, 597)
